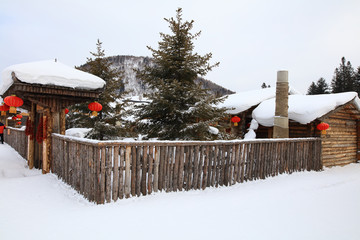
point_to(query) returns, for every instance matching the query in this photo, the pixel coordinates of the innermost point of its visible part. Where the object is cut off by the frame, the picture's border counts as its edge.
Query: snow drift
(49, 73)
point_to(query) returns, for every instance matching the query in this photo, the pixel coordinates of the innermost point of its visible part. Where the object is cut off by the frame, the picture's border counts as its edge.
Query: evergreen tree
(344, 80)
(312, 89)
(179, 108)
(109, 123)
(321, 87)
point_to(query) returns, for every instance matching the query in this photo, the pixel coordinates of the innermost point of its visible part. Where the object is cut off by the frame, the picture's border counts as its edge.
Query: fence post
(156, 169)
(127, 171)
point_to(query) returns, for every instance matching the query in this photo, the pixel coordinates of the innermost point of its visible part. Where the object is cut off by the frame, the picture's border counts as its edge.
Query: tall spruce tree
(321, 87)
(343, 79)
(109, 123)
(179, 108)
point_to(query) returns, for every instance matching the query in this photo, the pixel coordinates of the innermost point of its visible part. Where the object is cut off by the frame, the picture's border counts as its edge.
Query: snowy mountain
(127, 64)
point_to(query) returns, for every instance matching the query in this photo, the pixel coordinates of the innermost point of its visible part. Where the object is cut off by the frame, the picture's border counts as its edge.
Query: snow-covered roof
(242, 101)
(304, 108)
(50, 73)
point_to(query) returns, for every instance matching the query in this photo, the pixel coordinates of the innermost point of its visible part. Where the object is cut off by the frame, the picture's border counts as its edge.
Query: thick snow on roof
(50, 73)
(242, 101)
(304, 108)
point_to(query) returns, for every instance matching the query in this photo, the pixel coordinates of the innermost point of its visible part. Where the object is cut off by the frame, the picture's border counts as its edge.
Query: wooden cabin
(242, 105)
(47, 88)
(340, 144)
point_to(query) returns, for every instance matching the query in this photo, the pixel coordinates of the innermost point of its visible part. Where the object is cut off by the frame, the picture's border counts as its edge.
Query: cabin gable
(340, 144)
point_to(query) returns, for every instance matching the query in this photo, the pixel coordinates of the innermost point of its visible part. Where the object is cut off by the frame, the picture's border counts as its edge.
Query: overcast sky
(251, 39)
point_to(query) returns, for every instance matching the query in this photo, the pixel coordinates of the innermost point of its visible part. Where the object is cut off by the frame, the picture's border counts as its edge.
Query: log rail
(17, 139)
(106, 171)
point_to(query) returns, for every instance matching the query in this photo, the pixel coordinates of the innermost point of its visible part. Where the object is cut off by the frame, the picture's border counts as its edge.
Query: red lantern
(19, 116)
(66, 111)
(235, 120)
(322, 127)
(95, 107)
(14, 118)
(3, 109)
(14, 102)
(18, 123)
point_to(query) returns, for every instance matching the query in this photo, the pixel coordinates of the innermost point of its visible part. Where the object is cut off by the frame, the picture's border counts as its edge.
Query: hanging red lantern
(322, 127)
(235, 120)
(13, 102)
(95, 107)
(66, 111)
(18, 123)
(14, 118)
(19, 116)
(3, 109)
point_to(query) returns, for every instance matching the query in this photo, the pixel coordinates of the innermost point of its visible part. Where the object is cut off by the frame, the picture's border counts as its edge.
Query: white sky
(251, 39)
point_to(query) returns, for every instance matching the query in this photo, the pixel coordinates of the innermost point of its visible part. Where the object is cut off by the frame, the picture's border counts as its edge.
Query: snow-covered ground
(307, 205)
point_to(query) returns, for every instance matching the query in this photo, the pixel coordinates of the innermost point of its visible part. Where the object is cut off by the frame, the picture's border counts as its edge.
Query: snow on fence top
(49, 73)
(242, 101)
(304, 108)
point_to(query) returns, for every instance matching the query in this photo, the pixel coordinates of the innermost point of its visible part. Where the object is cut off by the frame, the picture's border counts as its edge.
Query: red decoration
(29, 130)
(41, 130)
(18, 123)
(322, 127)
(66, 111)
(14, 102)
(95, 107)
(3, 109)
(14, 118)
(19, 116)
(235, 120)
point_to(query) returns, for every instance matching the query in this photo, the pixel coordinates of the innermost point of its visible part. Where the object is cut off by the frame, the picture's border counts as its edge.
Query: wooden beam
(62, 122)
(54, 90)
(47, 127)
(56, 122)
(31, 142)
(45, 166)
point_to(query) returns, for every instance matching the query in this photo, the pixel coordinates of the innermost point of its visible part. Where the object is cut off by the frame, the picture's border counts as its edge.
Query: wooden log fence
(106, 171)
(17, 139)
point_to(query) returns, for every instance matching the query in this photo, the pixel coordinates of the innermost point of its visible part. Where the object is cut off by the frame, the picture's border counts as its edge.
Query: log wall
(107, 171)
(340, 143)
(296, 130)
